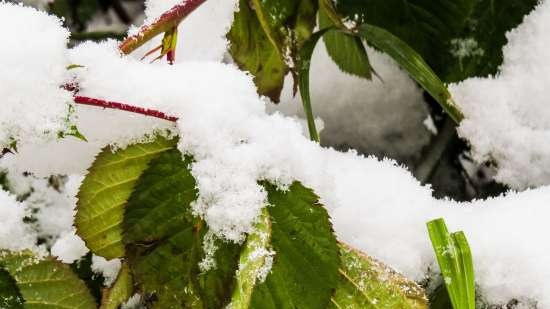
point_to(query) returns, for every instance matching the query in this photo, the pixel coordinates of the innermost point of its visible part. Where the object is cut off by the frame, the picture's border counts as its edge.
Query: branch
(168, 20)
(124, 107)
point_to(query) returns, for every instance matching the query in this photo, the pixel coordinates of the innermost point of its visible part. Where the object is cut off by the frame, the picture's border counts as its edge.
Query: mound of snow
(33, 59)
(507, 117)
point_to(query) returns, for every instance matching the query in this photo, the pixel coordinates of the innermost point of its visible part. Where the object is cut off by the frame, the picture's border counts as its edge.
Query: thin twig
(124, 107)
(165, 22)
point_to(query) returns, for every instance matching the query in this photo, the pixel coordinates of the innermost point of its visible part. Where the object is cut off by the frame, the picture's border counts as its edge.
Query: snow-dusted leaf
(104, 193)
(164, 240)
(306, 259)
(121, 290)
(46, 282)
(367, 283)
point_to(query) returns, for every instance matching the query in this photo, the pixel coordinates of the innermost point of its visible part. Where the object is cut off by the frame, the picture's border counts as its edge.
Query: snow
(33, 68)
(506, 116)
(69, 247)
(109, 269)
(380, 117)
(11, 224)
(375, 205)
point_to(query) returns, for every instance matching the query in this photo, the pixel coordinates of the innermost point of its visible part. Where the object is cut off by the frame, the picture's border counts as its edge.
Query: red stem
(165, 22)
(124, 107)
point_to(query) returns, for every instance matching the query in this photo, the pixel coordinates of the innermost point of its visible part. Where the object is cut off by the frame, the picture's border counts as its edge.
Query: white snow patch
(109, 269)
(507, 116)
(33, 59)
(14, 235)
(69, 247)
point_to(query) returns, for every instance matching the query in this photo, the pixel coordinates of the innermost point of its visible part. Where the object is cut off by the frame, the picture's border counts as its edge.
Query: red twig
(123, 107)
(168, 20)
(165, 22)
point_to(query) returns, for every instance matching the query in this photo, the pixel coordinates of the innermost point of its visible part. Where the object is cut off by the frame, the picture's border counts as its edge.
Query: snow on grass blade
(46, 282)
(121, 290)
(304, 63)
(165, 241)
(104, 192)
(367, 283)
(413, 63)
(455, 262)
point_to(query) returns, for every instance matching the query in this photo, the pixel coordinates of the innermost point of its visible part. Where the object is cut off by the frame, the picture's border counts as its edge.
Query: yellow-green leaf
(105, 190)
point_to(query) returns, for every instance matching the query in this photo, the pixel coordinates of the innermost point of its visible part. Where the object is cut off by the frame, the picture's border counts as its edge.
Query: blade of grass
(467, 269)
(455, 262)
(413, 63)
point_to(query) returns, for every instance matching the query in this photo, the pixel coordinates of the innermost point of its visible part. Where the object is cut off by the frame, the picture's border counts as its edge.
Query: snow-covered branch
(165, 22)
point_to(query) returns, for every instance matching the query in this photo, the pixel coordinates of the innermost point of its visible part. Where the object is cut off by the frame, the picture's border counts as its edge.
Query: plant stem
(168, 20)
(124, 107)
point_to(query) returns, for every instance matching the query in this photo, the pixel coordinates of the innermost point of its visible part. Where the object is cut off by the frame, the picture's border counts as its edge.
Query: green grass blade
(455, 262)
(467, 269)
(413, 63)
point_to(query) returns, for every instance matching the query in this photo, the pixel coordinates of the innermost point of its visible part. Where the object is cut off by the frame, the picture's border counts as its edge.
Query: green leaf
(46, 283)
(413, 63)
(431, 27)
(164, 240)
(10, 297)
(265, 37)
(455, 262)
(120, 291)
(347, 51)
(252, 50)
(367, 283)
(104, 192)
(485, 30)
(306, 260)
